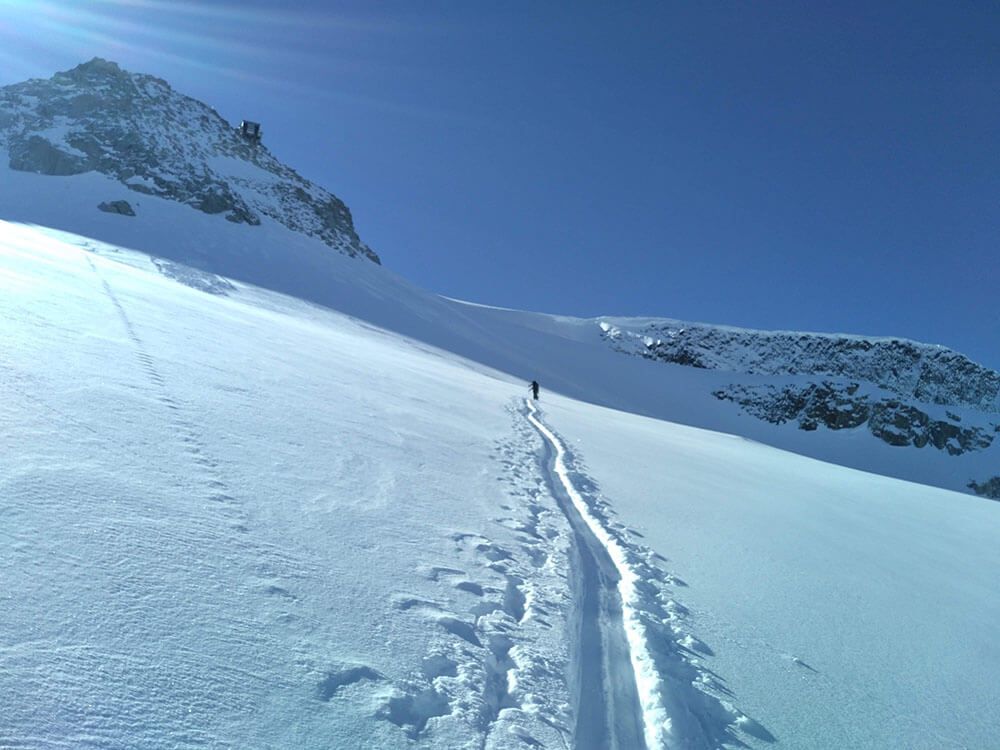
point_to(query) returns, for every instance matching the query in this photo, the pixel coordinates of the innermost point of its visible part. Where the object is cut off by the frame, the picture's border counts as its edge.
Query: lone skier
(534, 389)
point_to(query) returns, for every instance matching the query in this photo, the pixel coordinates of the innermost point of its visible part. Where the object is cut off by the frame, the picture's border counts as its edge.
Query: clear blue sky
(830, 166)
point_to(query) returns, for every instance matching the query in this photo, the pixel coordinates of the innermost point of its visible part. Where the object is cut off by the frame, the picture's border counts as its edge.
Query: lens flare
(140, 33)
(259, 47)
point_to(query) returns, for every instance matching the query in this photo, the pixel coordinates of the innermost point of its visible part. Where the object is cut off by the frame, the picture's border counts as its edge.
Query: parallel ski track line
(183, 430)
(652, 717)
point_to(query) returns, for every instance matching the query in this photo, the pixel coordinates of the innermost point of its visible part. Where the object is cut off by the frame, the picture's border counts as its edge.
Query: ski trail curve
(622, 709)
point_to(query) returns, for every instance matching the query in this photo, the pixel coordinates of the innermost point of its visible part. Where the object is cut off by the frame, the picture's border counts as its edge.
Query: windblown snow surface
(232, 518)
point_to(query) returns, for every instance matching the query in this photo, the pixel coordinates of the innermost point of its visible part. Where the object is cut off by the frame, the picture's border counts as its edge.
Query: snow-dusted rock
(894, 387)
(136, 129)
(838, 407)
(117, 207)
(924, 372)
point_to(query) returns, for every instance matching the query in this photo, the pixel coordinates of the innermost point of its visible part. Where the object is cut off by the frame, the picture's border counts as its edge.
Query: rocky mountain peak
(95, 68)
(136, 129)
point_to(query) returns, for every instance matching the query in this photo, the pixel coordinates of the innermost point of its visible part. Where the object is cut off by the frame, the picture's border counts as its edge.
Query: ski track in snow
(183, 429)
(566, 638)
(608, 710)
(558, 632)
(653, 692)
(574, 580)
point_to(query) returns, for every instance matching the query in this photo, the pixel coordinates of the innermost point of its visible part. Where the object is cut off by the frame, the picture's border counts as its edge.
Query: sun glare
(230, 40)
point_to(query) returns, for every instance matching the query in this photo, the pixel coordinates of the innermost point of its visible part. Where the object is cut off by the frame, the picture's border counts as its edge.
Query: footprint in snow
(412, 709)
(436, 573)
(343, 675)
(439, 665)
(404, 603)
(470, 587)
(463, 630)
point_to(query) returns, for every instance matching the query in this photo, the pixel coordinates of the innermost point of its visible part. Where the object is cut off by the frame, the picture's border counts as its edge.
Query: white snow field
(235, 519)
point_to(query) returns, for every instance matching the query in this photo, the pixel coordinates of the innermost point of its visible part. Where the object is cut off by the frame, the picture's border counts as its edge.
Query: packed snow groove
(606, 702)
(653, 716)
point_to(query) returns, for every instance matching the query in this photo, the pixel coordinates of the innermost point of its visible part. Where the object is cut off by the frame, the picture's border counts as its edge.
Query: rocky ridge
(906, 394)
(838, 407)
(136, 129)
(922, 372)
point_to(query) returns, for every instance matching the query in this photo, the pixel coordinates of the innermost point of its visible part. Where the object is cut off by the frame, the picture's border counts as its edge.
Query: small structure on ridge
(251, 131)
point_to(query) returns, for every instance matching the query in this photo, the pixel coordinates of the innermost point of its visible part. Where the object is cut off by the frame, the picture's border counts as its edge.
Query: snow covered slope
(842, 609)
(244, 521)
(889, 406)
(123, 158)
(233, 518)
(257, 491)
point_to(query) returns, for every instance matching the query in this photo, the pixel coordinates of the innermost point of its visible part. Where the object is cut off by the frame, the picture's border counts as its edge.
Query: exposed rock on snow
(990, 488)
(838, 407)
(893, 386)
(117, 207)
(33, 153)
(932, 374)
(136, 129)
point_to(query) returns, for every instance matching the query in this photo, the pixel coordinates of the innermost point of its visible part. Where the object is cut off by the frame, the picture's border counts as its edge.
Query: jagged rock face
(839, 407)
(138, 130)
(931, 374)
(905, 383)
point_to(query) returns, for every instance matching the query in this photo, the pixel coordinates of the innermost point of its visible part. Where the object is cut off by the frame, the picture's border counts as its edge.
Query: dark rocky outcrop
(913, 371)
(840, 406)
(117, 207)
(35, 154)
(900, 424)
(990, 488)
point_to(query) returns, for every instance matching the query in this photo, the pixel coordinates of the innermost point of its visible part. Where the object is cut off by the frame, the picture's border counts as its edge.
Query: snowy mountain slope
(258, 525)
(843, 609)
(889, 406)
(239, 519)
(926, 414)
(571, 356)
(151, 140)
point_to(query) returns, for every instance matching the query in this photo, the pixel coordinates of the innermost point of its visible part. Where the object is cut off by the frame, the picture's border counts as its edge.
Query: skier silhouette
(534, 388)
